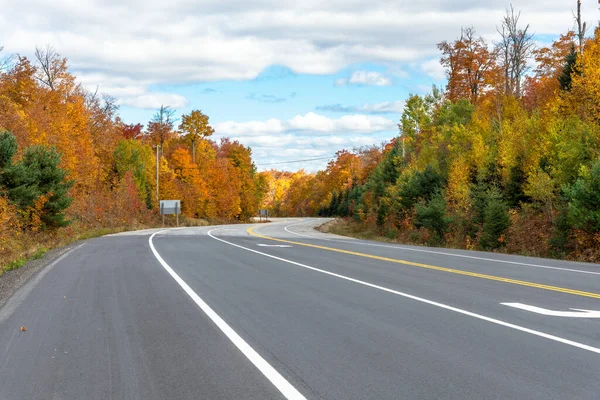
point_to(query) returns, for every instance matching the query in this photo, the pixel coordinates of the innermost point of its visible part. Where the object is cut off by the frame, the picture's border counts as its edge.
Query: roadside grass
(23, 246)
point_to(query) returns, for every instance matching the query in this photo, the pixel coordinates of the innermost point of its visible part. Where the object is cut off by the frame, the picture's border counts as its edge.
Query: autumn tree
(193, 189)
(585, 92)
(160, 127)
(470, 66)
(555, 64)
(51, 68)
(195, 127)
(131, 131)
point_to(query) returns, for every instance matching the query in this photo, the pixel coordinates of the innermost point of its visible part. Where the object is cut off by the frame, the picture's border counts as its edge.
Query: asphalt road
(282, 311)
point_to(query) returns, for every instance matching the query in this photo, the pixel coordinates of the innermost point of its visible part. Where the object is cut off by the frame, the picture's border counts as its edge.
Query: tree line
(69, 163)
(503, 157)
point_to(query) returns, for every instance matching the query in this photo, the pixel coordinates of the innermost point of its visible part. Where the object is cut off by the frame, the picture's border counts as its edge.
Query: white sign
(170, 207)
(576, 313)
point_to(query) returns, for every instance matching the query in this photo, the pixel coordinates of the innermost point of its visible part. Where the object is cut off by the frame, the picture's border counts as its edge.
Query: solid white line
(422, 300)
(286, 388)
(440, 253)
(300, 234)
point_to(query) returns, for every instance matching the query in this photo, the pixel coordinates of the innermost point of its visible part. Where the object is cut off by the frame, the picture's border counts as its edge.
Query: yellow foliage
(458, 192)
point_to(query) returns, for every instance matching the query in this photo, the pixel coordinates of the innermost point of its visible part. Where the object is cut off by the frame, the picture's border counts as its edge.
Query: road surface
(281, 311)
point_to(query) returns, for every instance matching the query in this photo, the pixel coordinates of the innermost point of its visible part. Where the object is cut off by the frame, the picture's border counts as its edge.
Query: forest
(70, 168)
(505, 158)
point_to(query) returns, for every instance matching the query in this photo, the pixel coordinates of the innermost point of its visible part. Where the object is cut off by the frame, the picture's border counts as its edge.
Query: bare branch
(49, 66)
(515, 49)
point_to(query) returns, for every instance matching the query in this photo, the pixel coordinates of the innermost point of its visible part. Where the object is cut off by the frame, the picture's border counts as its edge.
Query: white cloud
(368, 78)
(385, 107)
(434, 69)
(153, 42)
(306, 136)
(310, 123)
(155, 100)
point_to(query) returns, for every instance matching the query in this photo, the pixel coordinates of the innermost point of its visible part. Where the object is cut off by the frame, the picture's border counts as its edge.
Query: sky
(294, 80)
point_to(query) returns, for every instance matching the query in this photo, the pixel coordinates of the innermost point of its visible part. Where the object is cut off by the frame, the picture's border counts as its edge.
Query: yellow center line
(434, 267)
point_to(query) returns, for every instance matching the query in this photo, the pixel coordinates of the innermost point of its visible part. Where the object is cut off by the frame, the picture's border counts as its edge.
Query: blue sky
(293, 80)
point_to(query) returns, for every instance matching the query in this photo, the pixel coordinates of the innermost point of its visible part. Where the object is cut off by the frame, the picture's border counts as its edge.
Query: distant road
(281, 311)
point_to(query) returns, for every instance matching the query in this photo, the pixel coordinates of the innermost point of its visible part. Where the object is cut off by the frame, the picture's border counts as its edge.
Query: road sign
(263, 213)
(168, 207)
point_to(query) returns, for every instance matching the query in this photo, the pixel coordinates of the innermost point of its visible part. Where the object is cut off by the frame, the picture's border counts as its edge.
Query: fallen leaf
(23, 329)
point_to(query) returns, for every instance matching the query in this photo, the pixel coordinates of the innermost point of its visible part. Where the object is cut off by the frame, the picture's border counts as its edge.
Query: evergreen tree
(514, 187)
(37, 174)
(566, 77)
(584, 205)
(8, 149)
(419, 186)
(496, 221)
(432, 215)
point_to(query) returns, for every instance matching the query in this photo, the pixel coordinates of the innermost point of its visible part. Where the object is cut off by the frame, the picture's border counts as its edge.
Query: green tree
(131, 155)
(37, 174)
(195, 126)
(419, 186)
(566, 77)
(496, 221)
(8, 148)
(584, 205)
(514, 188)
(432, 215)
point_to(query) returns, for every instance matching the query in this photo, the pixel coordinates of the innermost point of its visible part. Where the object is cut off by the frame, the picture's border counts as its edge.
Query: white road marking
(421, 299)
(274, 245)
(300, 234)
(286, 388)
(440, 252)
(577, 313)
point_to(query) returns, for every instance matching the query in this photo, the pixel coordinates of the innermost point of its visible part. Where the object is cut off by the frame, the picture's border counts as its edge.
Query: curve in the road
(417, 298)
(433, 267)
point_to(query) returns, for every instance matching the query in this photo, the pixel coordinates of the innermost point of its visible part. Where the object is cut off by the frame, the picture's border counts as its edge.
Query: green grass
(39, 253)
(18, 263)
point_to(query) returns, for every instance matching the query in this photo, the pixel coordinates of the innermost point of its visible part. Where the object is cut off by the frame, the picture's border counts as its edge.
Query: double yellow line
(434, 267)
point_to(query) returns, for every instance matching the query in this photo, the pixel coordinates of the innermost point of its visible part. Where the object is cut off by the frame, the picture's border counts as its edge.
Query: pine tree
(37, 174)
(8, 149)
(566, 77)
(496, 221)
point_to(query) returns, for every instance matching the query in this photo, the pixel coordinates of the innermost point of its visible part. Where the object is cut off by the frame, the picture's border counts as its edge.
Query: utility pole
(157, 162)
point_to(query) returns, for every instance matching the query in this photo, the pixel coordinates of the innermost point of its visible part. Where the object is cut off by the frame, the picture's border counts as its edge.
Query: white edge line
(286, 388)
(285, 228)
(422, 300)
(438, 252)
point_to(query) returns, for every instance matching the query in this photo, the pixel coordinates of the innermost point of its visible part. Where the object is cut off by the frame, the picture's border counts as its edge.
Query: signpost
(170, 207)
(263, 213)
